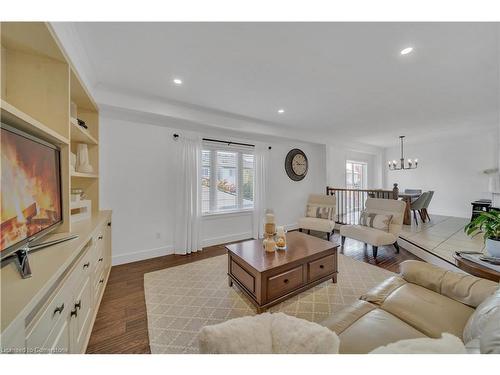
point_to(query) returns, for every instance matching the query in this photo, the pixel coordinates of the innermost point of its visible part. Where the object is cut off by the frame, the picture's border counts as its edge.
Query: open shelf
(23, 121)
(84, 175)
(81, 135)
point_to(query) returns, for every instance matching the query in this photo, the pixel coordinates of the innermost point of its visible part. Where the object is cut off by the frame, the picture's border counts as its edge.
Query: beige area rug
(183, 299)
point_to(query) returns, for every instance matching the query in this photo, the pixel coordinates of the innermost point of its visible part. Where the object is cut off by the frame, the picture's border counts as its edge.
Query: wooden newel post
(395, 191)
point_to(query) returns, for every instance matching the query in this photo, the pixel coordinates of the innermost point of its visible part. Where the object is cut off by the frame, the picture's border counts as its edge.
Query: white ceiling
(344, 78)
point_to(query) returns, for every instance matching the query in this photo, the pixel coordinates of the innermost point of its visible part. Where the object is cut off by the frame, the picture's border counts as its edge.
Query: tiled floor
(442, 236)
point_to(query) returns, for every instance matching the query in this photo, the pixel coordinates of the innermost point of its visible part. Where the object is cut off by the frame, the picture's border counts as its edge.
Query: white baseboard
(141, 255)
(225, 239)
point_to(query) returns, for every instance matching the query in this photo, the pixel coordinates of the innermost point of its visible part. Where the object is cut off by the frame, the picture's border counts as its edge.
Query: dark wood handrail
(350, 202)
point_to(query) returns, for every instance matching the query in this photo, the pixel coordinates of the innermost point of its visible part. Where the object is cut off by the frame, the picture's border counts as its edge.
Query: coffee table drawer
(243, 276)
(285, 282)
(321, 267)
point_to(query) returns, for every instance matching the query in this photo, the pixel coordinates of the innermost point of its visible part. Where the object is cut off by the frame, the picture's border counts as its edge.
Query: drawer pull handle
(58, 309)
(74, 313)
(99, 238)
(286, 281)
(109, 224)
(78, 305)
(101, 259)
(86, 265)
(101, 281)
(321, 266)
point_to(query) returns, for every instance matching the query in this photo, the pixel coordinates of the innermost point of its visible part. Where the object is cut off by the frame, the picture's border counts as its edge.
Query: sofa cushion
(429, 312)
(369, 235)
(342, 320)
(374, 329)
(447, 344)
(461, 287)
(321, 225)
(375, 220)
(475, 326)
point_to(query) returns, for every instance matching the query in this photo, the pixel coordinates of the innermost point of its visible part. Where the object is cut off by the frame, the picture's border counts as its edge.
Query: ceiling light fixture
(178, 81)
(281, 110)
(407, 50)
(412, 164)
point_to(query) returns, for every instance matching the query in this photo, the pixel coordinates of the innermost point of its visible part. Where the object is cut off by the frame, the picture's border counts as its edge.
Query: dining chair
(423, 211)
(419, 204)
(413, 191)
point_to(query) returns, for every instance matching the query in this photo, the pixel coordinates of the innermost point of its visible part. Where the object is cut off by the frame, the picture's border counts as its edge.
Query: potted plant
(487, 223)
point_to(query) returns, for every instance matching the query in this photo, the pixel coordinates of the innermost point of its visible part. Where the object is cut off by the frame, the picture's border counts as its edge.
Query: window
(356, 174)
(227, 178)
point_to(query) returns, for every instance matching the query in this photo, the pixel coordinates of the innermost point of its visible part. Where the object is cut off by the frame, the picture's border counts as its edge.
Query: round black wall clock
(296, 164)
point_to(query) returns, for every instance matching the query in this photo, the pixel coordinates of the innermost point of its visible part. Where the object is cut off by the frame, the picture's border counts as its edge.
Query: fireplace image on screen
(30, 189)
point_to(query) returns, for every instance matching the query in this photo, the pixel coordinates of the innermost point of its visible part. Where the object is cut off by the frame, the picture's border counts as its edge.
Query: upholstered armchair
(320, 214)
(373, 236)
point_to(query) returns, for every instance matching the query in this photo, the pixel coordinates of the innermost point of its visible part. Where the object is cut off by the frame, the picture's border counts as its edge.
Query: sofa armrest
(464, 288)
(378, 294)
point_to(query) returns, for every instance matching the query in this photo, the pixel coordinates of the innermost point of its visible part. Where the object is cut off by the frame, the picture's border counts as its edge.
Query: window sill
(215, 215)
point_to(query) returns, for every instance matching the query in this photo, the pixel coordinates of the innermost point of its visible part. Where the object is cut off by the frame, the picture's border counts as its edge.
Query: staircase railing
(350, 202)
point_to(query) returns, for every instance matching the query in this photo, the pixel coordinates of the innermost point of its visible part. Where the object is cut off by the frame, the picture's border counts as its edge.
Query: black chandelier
(412, 164)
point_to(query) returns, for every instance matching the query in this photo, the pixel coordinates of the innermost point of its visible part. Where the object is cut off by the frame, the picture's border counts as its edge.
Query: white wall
(336, 157)
(452, 167)
(137, 184)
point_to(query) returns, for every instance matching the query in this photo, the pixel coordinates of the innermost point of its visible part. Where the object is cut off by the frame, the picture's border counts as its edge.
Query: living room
(250, 187)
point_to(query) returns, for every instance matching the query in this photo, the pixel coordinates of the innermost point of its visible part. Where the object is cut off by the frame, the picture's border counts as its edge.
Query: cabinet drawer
(285, 282)
(321, 267)
(243, 276)
(52, 316)
(98, 286)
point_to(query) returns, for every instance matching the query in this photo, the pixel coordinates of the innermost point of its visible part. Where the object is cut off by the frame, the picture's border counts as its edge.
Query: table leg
(407, 217)
(229, 281)
(334, 278)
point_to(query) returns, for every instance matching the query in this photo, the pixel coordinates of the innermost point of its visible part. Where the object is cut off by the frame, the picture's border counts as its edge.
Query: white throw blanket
(267, 334)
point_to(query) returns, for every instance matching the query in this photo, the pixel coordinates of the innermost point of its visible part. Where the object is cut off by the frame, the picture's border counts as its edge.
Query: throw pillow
(267, 334)
(292, 335)
(489, 341)
(375, 220)
(479, 319)
(447, 344)
(320, 212)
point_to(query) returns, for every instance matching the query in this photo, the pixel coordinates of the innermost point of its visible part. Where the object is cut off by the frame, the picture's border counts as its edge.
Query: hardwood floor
(121, 323)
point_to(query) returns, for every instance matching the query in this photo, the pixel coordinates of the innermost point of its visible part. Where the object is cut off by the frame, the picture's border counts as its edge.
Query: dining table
(408, 198)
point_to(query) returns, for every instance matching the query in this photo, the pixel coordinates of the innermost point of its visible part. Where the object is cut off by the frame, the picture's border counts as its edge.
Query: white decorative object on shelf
(72, 158)
(80, 210)
(73, 111)
(82, 157)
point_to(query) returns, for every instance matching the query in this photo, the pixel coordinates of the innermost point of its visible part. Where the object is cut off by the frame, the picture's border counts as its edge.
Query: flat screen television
(31, 200)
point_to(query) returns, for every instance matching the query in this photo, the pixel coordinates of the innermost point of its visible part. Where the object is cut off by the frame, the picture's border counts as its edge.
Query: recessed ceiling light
(407, 50)
(178, 81)
(281, 110)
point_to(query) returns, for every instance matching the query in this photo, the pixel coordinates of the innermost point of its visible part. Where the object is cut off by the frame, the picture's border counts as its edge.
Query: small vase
(82, 157)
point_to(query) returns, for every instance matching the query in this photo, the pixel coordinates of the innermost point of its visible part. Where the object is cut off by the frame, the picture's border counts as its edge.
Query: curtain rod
(228, 142)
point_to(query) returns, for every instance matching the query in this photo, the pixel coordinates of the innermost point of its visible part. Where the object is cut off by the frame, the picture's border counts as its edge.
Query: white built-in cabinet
(64, 321)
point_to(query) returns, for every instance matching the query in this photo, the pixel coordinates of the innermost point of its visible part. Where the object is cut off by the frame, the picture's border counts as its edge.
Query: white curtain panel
(261, 189)
(188, 185)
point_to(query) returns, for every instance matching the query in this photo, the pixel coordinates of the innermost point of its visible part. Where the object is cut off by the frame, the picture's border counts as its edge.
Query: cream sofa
(376, 237)
(317, 224)
(423, 301)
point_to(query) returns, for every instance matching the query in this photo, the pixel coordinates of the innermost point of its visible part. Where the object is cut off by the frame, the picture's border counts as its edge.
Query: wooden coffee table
(269, 278)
